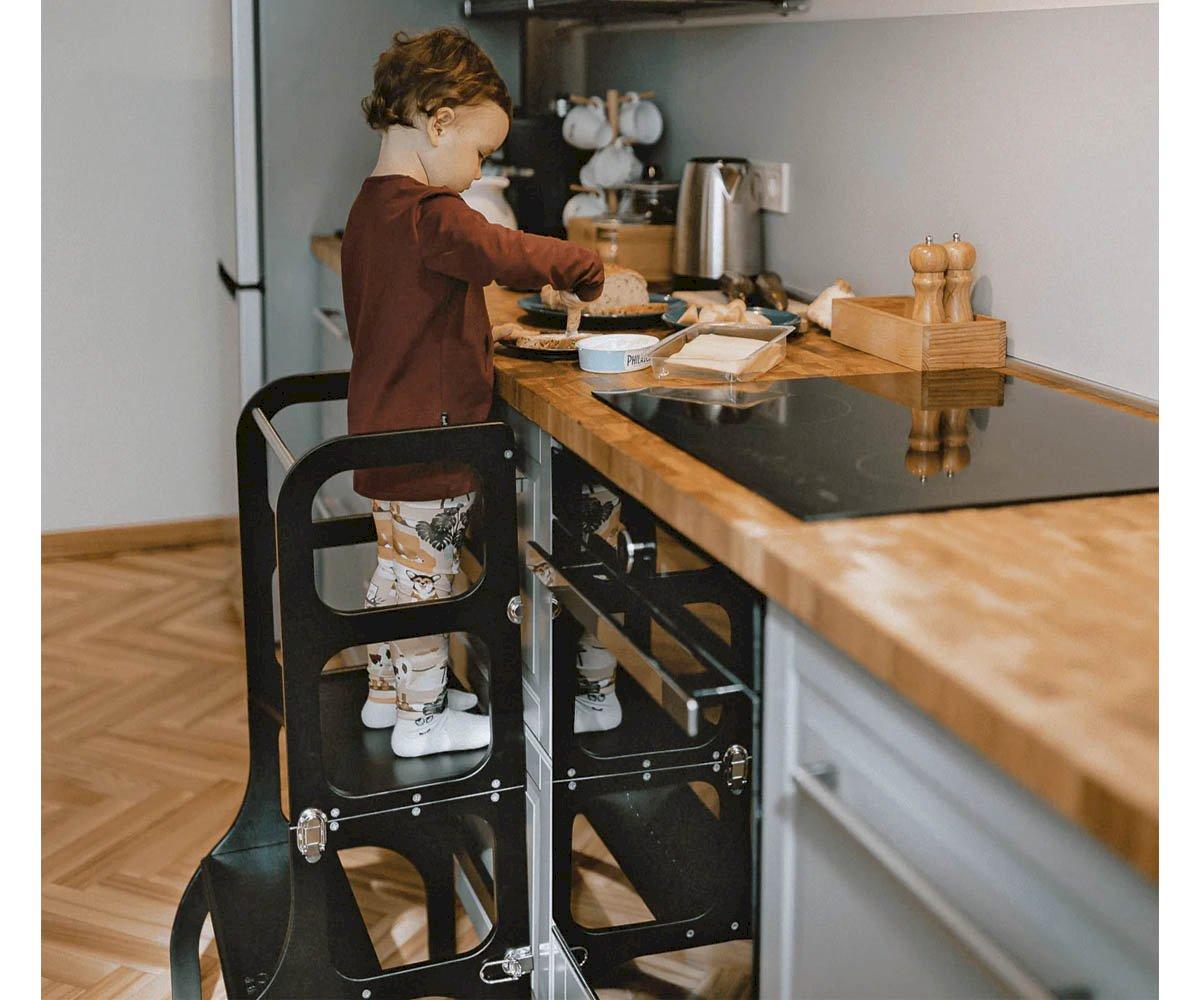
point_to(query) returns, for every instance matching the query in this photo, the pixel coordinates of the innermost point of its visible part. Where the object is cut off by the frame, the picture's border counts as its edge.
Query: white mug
(586, 127)
(640, 121)
(584, 205)
(611, 166)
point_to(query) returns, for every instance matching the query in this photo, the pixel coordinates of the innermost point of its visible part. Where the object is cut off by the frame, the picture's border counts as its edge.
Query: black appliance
(886, 444)
(535, 143)
(611, 10)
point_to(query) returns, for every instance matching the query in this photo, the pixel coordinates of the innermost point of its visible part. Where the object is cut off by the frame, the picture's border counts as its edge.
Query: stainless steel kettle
(718, 226)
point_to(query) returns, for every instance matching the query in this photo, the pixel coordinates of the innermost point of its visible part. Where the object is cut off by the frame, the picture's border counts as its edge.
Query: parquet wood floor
(143, 766)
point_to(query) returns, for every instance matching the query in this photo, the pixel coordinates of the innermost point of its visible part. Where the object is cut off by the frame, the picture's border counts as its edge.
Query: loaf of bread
(625, 292)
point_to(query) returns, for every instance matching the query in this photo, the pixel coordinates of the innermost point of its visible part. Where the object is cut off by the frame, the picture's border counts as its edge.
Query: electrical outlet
(773, 184)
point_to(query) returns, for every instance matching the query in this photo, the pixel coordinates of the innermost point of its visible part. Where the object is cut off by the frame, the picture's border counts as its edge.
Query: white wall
(1033, 133)
(139, 344)
(139, 363)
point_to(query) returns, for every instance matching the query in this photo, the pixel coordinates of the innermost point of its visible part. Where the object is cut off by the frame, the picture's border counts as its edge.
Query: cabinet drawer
(914, 867)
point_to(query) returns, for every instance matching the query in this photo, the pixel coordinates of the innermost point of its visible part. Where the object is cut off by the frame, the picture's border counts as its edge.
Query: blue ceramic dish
(548, 316)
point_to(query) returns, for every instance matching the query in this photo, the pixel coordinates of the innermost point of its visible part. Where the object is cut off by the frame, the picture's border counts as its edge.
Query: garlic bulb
(820, 310)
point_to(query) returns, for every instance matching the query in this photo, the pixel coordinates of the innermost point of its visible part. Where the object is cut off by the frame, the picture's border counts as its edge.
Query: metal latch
(517, 962)
(635, 552)
(737, 768)
(516, 609)
(312, 830)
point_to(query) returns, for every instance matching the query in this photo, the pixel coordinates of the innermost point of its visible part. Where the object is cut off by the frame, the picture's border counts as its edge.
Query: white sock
(596, 706)
(431, 727)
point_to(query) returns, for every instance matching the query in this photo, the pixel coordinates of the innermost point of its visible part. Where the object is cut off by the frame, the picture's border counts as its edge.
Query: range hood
(617, 10)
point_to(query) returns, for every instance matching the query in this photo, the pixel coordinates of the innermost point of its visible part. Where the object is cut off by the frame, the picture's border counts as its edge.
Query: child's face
(460, 139)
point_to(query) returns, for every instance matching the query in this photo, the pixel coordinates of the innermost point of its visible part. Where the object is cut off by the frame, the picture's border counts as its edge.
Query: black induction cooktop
(887, 444)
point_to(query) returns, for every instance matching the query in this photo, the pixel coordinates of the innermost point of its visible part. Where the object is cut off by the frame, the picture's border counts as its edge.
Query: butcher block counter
(1029, 631)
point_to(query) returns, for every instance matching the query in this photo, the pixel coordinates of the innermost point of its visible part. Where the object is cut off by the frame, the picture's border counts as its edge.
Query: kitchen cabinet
(897, 862)
(655, 797)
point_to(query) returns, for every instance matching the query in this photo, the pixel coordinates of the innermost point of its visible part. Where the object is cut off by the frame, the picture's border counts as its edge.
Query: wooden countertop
(1029, 631)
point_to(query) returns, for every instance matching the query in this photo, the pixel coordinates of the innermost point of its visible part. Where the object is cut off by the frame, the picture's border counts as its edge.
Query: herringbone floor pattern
(144, 763)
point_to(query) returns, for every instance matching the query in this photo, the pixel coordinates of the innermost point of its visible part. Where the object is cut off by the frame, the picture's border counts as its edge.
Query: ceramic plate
(537, 354)
(778, 317)
(546, 316)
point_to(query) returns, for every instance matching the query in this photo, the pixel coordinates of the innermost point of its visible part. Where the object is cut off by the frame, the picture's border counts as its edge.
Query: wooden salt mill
(924, 457)
(928, 262)
(960, 259)
(956, 454)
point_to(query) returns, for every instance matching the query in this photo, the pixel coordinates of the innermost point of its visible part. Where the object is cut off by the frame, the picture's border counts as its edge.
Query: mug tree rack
(284, 917)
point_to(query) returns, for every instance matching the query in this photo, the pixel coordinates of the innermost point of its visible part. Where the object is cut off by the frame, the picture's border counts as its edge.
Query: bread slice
(551, 341)
(510, 333)
(625, 292)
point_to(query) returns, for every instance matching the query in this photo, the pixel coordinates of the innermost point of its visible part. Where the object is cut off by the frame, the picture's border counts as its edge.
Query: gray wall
(139, 367)
(1034, 134)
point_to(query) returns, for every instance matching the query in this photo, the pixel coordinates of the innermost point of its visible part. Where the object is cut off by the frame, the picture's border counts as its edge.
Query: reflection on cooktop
(911, 441)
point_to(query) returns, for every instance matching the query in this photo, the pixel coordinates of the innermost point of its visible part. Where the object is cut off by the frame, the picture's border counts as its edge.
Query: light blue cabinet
(899, 863)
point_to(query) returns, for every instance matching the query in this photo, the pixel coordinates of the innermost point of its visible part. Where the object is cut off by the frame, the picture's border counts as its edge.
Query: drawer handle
(325, 318)
(815, 782)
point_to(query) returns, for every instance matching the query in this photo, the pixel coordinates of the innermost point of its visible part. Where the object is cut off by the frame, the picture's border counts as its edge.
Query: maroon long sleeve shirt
(415, 260)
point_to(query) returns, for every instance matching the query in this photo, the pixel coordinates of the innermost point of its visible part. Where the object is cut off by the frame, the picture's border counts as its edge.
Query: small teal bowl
(616, 352)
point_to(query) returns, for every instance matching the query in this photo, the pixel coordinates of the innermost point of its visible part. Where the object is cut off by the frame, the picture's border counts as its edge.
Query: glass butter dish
(773, 347)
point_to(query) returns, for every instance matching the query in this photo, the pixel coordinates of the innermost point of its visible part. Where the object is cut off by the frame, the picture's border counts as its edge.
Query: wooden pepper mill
(956, 453)
(928, 262)
(924, 457)
(960, 259)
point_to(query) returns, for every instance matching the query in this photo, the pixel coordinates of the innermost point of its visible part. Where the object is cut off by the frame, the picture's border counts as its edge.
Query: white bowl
(616, 352)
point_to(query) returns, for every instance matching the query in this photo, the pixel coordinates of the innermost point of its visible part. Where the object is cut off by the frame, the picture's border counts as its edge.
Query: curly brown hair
(442, 68)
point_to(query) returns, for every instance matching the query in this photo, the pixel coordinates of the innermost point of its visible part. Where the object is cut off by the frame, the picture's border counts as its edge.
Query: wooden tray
(934, 390)
(883, 326)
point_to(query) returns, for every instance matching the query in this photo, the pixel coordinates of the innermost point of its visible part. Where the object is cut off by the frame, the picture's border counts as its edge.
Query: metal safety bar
(284, 454)
(325, 318)
(286, 458)
(581, 594)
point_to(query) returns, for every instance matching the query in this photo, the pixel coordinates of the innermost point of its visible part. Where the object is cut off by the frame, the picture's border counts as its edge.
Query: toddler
(415, 260)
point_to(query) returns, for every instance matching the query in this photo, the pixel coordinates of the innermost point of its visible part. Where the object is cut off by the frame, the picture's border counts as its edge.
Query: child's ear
(437, 123)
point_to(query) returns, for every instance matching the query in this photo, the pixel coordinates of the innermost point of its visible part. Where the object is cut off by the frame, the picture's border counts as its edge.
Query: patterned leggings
(419, 544)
